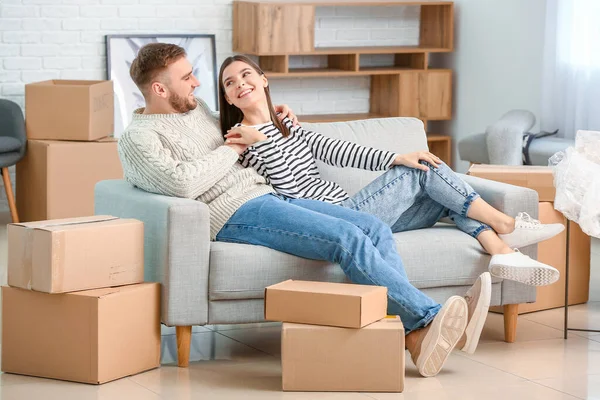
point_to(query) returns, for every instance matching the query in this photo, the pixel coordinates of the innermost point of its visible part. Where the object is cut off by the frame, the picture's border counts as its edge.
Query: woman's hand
(412, 160)
(244, 135)
(284, 111)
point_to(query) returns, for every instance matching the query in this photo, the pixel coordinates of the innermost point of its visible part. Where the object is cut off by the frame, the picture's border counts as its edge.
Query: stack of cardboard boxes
(552, 251)
(69, 150)
(76, 307)
(336, 337)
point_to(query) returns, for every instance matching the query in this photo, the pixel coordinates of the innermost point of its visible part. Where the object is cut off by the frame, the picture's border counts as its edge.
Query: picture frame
(122, 49)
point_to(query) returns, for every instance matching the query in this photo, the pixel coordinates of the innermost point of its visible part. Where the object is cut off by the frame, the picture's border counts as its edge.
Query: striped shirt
(289, 163)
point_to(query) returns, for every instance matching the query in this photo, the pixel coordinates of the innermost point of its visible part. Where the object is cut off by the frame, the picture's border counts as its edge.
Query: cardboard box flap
(64, 221)
(111, 291)
(88, 225)
(346, 289)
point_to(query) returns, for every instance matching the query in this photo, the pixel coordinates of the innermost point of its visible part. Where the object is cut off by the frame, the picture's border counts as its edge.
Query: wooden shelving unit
(277, 30)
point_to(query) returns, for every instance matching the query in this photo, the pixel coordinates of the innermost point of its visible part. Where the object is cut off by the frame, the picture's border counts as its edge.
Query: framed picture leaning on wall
(121, 51)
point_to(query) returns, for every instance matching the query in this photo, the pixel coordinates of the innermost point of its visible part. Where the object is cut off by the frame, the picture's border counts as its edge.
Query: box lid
(346, 289)
(51, 225)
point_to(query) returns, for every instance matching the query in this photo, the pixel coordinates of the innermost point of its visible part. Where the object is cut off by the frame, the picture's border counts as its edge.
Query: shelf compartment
(271, 64)
(437, 26)
(393, 62)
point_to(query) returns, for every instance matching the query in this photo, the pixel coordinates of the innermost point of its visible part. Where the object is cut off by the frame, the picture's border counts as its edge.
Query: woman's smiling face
(243, 86)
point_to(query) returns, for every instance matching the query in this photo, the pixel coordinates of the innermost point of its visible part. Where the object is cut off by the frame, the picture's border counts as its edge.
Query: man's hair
(152, 59)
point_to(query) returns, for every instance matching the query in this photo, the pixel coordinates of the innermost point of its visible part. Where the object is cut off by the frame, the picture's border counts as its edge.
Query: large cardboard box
(56, 179)
(538, 178)
(325, 303)
(93, 336)
(552, 251)
(73, 254)
(69, 110)
(320, 358)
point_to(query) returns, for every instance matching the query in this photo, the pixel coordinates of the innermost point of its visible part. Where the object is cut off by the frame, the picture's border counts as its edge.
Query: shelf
(330, 3)
(436, 137)
(359, 50)
(333, 72)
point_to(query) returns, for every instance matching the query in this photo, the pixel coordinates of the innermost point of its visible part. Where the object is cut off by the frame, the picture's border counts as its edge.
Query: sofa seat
(436, 257)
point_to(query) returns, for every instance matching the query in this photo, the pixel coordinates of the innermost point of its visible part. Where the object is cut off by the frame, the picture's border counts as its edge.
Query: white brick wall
(52, 39)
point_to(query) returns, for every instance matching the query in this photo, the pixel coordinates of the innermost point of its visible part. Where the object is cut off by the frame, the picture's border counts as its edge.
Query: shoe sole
(533, 276)
(535, 241)
(446, 330)
(475, 325)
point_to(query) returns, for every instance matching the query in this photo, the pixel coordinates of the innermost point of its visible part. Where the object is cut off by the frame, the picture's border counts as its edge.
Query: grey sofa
(206, 282)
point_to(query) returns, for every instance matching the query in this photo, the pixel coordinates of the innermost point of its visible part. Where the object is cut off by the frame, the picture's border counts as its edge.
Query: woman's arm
(267, 159)
(341, 153)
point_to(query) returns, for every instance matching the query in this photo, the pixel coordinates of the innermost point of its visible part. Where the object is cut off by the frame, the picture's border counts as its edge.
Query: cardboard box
(93, 336)
(69, 110)
(56, 179)
(535, 177)
(325, 303)
(553, 252)
(319, 358)
(75, 254)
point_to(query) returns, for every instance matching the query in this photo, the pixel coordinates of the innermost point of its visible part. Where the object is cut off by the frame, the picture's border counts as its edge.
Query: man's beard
(182, 104)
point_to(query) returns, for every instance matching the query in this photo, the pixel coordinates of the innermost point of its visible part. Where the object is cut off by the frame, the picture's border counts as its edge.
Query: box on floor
(552, 251)
(56, 179)
(92, 336)
(69, 109)
(72, 254)
(325, 303)
(324, 358)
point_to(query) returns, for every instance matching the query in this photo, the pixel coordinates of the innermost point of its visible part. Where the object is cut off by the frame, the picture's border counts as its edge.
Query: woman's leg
(274, 223)
(374, 228)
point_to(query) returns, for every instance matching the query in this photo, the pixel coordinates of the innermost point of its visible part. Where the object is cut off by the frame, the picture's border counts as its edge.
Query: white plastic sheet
(577, 181)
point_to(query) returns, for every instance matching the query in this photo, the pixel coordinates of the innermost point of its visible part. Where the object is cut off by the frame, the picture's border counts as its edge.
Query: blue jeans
(407, 198)
(360, 243)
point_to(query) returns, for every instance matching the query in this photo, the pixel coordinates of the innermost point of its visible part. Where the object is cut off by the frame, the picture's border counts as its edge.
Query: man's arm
(150, 166)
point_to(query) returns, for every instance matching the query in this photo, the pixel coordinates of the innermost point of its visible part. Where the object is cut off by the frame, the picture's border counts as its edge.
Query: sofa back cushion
(400, 135)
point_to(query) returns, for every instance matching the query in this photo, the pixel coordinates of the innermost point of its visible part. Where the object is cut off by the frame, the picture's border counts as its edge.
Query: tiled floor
(242, 362)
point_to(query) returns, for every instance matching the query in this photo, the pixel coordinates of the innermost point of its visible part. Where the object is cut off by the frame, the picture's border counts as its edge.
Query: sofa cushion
(436, 257)
(400, 135)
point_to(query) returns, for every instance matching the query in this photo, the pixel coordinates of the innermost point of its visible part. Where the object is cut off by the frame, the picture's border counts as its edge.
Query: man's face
(180, 84)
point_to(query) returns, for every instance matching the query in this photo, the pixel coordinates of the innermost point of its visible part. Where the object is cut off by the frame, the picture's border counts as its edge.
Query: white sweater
(183, 155)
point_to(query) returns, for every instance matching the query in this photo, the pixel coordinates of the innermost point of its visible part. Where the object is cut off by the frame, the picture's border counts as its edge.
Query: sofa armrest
(176, 246)
(510, 200)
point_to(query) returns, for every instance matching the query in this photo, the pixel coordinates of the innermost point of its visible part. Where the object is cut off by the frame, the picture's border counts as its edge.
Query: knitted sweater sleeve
(149, 165)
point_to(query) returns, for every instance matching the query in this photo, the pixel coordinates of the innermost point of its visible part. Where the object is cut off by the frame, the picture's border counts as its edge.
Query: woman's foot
(478, 301)
(528, 231)
(518, 267)
(430, 347)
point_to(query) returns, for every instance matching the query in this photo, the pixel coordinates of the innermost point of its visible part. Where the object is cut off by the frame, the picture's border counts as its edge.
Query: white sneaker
(521, 268)
(438, 339)
(478, 300)
(529, 231)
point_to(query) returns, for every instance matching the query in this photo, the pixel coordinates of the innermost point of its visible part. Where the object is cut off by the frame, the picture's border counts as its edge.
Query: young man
(174, 147)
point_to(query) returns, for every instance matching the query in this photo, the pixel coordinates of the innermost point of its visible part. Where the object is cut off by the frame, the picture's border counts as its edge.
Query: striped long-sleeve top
(289, 163)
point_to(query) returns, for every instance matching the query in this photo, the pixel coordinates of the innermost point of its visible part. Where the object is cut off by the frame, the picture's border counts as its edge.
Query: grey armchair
(12, 146)
(206, 282)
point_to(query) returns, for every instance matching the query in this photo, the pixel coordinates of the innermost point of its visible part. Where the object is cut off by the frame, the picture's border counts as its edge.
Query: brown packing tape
(28, 256)
(100, 218)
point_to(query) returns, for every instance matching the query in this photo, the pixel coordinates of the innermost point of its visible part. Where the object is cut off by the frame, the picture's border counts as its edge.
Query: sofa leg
(184, 338)
(511, 312)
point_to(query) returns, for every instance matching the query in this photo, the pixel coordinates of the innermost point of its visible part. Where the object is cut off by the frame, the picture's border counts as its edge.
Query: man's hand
(412, 160)
(239, 148)
(284, 111)
(244, 135)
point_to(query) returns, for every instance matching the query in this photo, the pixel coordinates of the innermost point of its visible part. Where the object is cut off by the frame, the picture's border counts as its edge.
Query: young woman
(417, 190)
